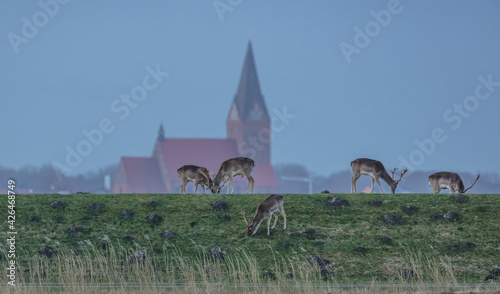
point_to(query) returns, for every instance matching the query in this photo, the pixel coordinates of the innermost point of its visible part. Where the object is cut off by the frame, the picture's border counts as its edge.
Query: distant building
(248, 134)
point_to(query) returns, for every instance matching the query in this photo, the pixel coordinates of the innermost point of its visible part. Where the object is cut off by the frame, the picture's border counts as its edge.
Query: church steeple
(248, 120)
(161, 134)
(248, 100)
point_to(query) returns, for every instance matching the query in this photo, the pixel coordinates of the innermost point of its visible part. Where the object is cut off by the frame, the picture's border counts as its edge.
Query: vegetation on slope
(349, 237)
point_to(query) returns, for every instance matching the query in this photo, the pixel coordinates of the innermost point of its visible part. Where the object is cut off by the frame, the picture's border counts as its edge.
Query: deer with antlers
(376, 170)
(198, 175)
(230, 168)
(265, 210)
(448, 180)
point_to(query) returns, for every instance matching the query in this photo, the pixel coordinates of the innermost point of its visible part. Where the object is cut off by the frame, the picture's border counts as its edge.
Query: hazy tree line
(292, 178)
(46, 179)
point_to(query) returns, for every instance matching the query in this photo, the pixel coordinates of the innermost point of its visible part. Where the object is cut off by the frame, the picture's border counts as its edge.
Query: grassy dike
(349, 237)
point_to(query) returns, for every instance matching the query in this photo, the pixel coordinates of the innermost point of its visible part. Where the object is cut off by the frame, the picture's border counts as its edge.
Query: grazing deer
(196, 174)
(448, 180)
(242, 166)
(376, 170)
(272, 204)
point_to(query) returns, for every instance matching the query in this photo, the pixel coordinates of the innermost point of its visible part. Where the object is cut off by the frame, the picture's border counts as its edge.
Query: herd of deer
(244, 166)
(239, 166)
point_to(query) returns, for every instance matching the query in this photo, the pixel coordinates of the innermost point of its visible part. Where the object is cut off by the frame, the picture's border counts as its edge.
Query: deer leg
(380, 186)
(183, 186)
(250, 181)
(452, 190)
(282, 211)
(284, 217)
(185, 192)
(257, 227)
(195, 187)
(353, 183)
(248, 185)
(268, 223)
(230, 185)
(373, 182)
(203, 187)
(275, 220)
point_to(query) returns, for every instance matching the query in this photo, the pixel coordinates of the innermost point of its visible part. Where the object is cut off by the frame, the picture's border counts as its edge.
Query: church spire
(248, 121)
(161, 134)
(248, 100)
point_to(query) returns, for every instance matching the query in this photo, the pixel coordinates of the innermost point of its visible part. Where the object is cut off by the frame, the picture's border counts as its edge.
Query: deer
(242, 166)
(376, 170)
(265, 210)
(448, 180)
(198, 175)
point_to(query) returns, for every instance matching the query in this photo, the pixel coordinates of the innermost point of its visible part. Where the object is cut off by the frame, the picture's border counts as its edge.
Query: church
(248, 134)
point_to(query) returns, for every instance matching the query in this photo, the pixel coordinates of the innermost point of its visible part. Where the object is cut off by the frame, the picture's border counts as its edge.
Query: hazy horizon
(404, 82)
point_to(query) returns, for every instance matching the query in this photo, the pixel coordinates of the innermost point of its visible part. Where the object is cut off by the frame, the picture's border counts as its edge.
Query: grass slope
(197, 226)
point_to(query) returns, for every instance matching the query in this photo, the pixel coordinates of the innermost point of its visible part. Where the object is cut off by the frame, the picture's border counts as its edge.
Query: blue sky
(421, 87)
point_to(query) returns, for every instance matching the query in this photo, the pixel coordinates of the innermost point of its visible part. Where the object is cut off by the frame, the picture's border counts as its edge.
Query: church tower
(248, 120)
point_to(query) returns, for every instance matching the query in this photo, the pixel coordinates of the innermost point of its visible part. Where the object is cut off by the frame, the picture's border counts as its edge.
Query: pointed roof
(161, 134)
(248, 96)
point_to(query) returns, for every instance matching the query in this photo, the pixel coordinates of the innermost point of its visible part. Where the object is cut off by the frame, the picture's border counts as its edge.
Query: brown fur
(230, 168)
(198, 175)
(448, 180)
(376, 170)
(265, 210)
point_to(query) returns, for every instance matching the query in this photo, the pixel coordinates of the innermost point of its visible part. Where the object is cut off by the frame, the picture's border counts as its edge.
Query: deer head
(249, 228)
(208, 181)
(395, 183)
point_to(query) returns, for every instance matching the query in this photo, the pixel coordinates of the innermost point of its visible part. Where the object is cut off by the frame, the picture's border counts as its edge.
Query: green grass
(341, 229)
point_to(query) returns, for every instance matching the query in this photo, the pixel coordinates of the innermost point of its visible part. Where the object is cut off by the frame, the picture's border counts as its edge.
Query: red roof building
(248, 134)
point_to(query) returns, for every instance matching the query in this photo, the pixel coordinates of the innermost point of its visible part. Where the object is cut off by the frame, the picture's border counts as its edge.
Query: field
(390, 241)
